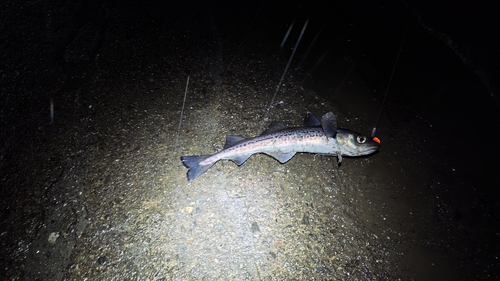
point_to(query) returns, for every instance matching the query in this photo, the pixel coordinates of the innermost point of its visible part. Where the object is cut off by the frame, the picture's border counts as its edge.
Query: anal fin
(280, 156)
(240, 159)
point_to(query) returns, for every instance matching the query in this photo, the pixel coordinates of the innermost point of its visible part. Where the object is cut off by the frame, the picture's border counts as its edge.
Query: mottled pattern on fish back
(306, 139)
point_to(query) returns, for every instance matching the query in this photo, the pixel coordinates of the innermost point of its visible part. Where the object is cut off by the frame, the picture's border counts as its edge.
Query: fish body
(282, 143)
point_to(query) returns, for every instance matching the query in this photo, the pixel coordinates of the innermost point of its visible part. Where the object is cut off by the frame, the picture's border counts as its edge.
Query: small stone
(53, 237)
(255, 227)
(101, 260)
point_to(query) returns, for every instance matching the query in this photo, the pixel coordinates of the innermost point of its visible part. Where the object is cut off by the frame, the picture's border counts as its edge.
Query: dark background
(447, 72)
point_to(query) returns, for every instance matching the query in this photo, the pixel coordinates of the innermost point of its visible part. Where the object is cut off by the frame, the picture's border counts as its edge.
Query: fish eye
(361, 139)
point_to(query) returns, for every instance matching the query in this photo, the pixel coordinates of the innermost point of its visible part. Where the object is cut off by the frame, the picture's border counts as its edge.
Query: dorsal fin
(329, 124)
(275, 126)
(311, 121)
(232, 140)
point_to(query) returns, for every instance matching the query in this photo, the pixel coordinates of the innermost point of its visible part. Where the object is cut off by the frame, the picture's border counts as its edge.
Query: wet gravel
(101, 193)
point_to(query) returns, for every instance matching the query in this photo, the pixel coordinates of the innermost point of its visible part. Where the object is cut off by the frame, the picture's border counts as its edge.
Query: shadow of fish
(282, 143)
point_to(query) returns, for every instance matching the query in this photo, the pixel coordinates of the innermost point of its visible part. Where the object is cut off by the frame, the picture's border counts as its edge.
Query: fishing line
(182, 112)
(286, 69)
(51, 111)
(313, 42)
(374, 130)
(286, 35)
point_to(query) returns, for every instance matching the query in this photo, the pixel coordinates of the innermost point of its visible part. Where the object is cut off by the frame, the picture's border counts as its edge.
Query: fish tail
(193, 164)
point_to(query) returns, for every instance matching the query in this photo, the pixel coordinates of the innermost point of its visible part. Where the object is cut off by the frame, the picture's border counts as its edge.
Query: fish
(282, 143)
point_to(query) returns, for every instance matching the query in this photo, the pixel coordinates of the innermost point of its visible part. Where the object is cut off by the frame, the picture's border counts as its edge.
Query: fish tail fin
(193, 164)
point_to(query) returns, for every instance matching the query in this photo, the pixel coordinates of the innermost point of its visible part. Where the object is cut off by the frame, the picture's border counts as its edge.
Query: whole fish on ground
(282, 142)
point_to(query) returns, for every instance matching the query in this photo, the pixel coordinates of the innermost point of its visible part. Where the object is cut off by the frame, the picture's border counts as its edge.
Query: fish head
(354, 144)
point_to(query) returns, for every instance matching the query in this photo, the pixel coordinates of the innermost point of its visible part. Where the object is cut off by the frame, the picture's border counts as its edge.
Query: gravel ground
(101, 193)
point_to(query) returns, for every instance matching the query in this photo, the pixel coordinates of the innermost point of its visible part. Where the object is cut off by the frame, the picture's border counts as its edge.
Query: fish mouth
(364, 150)
(369, 149)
